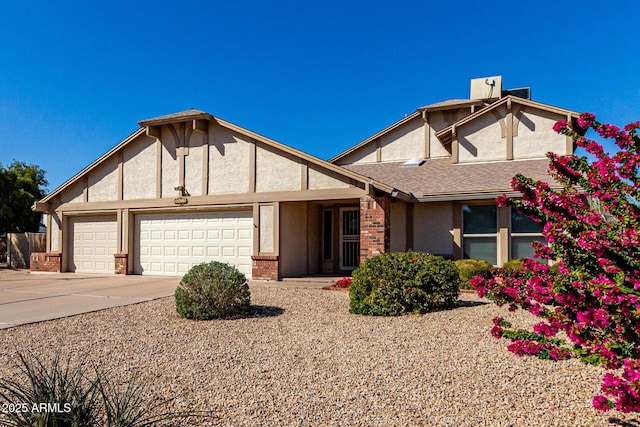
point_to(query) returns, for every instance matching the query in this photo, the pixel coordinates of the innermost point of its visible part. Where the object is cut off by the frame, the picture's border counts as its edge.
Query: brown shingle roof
(181, 116)
(439, 179)
(451, 103)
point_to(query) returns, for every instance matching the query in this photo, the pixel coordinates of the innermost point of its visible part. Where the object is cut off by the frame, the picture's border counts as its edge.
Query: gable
(212, 158)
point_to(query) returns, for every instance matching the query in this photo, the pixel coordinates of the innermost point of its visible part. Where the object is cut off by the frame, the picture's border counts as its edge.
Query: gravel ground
(305, 361)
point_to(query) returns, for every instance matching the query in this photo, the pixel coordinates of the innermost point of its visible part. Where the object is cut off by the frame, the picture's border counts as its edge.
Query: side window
(480, 232)
(524, 231)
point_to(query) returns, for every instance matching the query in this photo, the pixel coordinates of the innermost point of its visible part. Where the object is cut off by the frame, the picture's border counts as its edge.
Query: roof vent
(413, 163)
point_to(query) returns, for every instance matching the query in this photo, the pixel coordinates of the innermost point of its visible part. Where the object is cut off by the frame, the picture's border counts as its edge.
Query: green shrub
(58, 393)
(403, 282)
(212, 291)
(473, 267)
(513, 264)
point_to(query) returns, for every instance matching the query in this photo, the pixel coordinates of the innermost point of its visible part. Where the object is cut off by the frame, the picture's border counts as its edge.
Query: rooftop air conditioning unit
(486, 88)
(521, 92)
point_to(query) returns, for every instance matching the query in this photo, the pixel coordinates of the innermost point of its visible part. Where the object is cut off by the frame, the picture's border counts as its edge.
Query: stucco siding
(139, 169)
(228, 161)
(293, 239)
(404, 142)
(193, 174)
(103, 181)
(398, 225)
(276, 171)
(170, 166)
(535, 135)
(74, 193)
(433, 228)
(364, 154)
(481, 139)
(321, 178)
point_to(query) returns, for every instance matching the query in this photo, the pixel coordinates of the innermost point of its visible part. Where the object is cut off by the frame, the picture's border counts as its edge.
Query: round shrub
(403, 282)
(513, 264)
(212, 291)
(473, 267)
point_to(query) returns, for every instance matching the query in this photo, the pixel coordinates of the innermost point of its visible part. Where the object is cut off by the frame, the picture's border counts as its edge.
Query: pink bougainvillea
(590, 223)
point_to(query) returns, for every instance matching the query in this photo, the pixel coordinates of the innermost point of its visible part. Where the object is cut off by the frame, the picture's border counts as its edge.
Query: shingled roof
(439, 179)
(181, 116)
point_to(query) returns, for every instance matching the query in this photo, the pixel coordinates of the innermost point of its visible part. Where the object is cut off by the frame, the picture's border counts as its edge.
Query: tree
(20, 186)
(593, 293)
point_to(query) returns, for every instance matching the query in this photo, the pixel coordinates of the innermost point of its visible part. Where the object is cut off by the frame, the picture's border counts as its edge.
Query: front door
(349, 238)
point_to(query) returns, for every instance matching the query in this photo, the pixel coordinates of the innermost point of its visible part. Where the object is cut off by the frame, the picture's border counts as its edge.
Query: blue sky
(76, 77)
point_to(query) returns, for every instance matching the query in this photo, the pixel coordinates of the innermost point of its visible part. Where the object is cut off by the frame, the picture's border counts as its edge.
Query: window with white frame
(480, 232)
(524, 231)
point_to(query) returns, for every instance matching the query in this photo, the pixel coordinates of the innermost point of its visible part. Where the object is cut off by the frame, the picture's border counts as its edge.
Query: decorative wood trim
(409, 226)
(158, 168)
(457, 230)
(218, 200)
(276, 228)
(182, 160)
(60, 235)
(85, 188)
(256, 229)
(201, 125)
(427, 135)
(129, 243)
(49, 233)
(378, 151)
(120, 175)
(454, 145)
(504, 218)
(304, 175)
(517, 117)
(63, 245)
(154, 131)
(205, 166)
(252, 166)
(509, 119)
(120, 231)
(568, 141)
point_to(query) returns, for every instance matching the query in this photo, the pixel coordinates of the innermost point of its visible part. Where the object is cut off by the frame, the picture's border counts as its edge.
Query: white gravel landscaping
(305, 361)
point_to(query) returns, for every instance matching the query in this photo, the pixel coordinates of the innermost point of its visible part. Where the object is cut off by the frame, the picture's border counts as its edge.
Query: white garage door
(170, 244)
(94, 243)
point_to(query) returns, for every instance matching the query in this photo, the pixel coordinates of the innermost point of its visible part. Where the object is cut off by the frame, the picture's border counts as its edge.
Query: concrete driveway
(28, 298)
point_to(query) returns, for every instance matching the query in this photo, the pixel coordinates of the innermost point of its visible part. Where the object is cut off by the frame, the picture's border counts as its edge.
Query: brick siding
(46, 261)
(122, 263)
(374, 226)
(265, 267)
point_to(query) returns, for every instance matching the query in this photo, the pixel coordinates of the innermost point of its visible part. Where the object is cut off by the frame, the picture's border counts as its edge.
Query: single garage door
(94, 243)
(170, 244)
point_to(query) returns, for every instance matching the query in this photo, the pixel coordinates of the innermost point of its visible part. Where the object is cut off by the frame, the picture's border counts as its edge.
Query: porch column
(374, 226)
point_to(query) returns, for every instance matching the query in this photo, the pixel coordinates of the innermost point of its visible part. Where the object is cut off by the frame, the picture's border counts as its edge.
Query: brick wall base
(46, 261)
(375, 220)
(265, 267)
(122, 263)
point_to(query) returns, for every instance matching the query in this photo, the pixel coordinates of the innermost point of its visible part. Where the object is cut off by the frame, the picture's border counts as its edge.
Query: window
(524, 231)
(480, 232)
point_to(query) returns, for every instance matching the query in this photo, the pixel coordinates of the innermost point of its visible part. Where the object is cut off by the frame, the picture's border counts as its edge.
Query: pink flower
(560, 126)
(601, 403)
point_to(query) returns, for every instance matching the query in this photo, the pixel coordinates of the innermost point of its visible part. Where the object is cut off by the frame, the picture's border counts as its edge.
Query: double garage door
(170, 244)
(166, 244)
